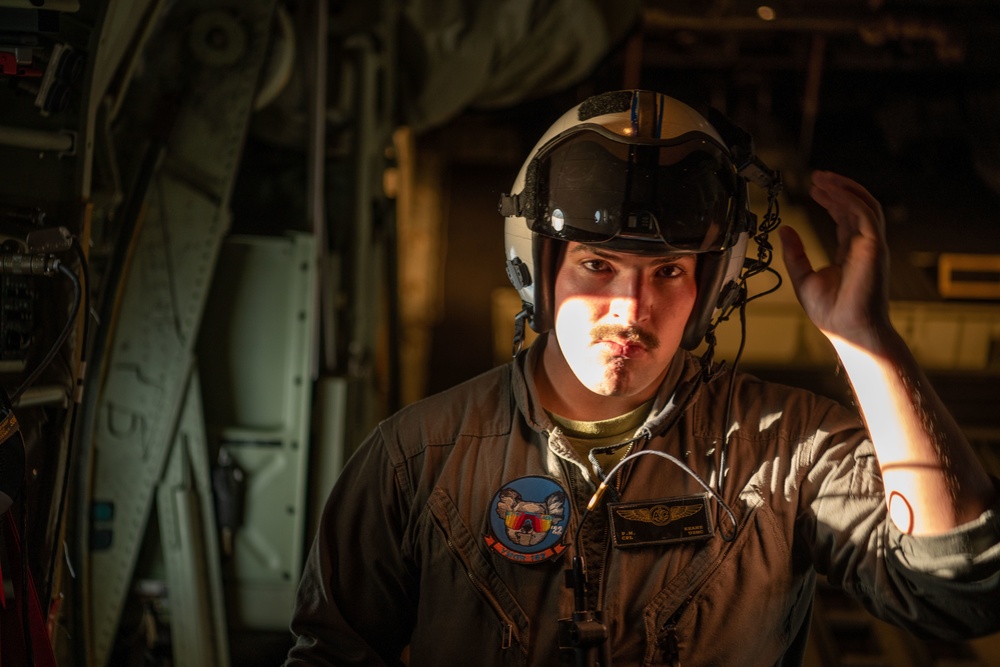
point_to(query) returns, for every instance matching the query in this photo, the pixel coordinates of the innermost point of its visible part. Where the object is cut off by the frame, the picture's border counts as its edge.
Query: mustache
(627, 334)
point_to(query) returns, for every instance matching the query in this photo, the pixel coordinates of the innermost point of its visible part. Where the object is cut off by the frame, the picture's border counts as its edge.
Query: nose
(627, 303)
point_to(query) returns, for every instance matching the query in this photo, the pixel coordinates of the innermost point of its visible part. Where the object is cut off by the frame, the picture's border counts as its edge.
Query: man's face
(620, 316)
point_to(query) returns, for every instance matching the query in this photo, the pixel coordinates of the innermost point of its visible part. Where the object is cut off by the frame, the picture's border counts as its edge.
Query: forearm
(933, 479)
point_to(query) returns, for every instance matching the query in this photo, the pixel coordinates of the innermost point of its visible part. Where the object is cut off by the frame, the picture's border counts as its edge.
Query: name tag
(661, 521)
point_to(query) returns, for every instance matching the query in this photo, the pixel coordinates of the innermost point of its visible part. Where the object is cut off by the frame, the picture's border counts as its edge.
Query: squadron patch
(528, 519)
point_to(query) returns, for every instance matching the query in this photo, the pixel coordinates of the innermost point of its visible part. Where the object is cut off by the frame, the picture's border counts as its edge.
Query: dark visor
(593, 189)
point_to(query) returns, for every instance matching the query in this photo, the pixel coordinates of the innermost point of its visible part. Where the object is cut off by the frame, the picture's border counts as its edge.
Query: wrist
(875, 336)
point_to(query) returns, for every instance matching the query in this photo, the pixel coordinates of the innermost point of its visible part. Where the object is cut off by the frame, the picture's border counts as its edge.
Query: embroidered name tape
(661, 521)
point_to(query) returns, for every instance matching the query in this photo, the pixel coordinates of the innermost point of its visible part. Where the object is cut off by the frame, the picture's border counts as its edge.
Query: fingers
(853, 287)
(852, 207)
(830, 181)
(796, 261)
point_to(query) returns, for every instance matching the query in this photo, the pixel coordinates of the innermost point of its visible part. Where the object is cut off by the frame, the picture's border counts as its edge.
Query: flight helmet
(634, 171)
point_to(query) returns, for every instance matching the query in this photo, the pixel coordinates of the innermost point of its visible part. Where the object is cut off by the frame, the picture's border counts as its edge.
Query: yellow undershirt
(585, 436)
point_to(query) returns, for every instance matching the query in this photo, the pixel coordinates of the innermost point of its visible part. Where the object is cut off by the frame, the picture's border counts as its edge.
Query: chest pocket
(512, 627)
(735, 595)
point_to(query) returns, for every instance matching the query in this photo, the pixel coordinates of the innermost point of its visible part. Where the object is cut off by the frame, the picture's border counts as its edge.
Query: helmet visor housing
(594, 188)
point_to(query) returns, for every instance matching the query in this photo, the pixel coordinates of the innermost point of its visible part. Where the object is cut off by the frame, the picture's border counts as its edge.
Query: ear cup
(711, 274)
(547, 254)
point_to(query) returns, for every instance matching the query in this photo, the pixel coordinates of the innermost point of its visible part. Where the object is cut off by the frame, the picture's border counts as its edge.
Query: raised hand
(933, 479)
(849, 298)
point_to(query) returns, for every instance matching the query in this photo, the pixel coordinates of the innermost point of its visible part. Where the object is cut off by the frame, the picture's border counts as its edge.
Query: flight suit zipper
(666, 638)
(507, 634)
(606, 556)
(578, 539)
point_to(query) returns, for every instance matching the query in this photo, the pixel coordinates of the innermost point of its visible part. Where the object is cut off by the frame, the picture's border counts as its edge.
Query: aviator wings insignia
(659, 515)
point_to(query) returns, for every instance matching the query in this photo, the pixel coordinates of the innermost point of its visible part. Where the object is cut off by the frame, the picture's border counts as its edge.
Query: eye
(595, 265)
(671, 271)
(678, 267)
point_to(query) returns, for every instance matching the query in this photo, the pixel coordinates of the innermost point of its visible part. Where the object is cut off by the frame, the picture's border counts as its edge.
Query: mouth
(626, 342)
(622, 348)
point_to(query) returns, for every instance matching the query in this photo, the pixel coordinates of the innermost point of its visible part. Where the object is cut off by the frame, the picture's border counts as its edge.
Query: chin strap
(519, 321)
(709, 369)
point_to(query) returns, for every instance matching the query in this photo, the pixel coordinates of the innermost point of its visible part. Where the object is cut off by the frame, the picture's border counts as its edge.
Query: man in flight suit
(692, 506)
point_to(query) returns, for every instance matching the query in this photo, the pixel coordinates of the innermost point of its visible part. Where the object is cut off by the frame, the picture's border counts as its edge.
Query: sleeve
(355, 603)
(957, 572)
(944, 585)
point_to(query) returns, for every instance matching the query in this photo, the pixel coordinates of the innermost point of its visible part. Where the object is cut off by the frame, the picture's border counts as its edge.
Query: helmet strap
(519, 321)
(708, 370)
